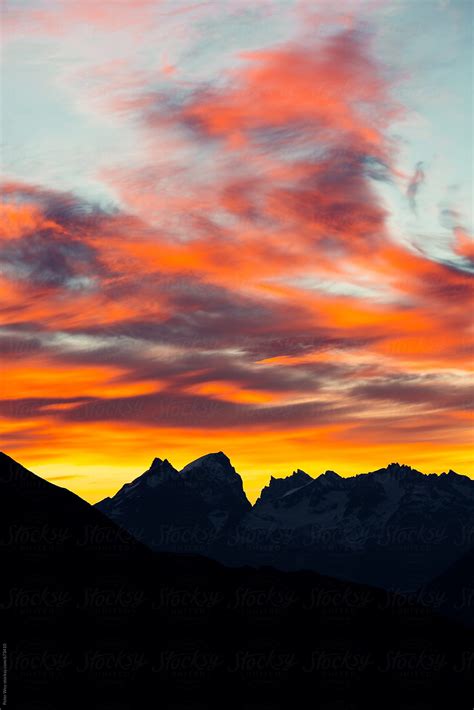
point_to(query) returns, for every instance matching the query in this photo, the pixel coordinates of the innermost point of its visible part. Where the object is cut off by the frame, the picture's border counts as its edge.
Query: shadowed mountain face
(94, 619)
(395, 528)
(181, 511)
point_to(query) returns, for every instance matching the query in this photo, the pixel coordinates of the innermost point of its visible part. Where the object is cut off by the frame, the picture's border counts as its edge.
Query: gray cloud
(416, 180)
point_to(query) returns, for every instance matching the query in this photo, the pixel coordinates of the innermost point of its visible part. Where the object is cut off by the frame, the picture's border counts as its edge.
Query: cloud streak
(414, 185)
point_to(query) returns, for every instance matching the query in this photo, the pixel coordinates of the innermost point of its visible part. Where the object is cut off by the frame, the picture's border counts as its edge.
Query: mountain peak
(279, 487)
(159, 465)
(328, 479)
(159, 472)
(216, 481)
(298, 475)
(396, 469)
(330, 474)
(299, 472)
(212, 461)
(395, 466)
(212, 470)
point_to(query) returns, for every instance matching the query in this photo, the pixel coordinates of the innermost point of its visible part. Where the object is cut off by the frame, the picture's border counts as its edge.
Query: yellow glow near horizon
(97, 466)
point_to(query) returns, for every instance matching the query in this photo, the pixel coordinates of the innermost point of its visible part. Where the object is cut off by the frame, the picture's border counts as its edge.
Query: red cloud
(330, 93)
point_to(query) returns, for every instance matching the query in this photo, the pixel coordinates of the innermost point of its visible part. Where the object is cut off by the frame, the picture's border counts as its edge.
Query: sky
(236, 226)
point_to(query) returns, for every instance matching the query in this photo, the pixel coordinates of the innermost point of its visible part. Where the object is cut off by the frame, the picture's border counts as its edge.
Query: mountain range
(91, 617)
(395, 528)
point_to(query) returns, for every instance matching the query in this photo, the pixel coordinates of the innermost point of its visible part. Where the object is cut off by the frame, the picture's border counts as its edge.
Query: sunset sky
(240, 226)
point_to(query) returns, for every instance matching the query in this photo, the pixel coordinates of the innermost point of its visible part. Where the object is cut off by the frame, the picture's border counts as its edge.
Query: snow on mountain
(394, 526)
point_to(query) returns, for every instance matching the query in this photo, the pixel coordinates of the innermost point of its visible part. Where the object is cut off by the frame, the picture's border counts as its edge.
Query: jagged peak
(279, 487)
(330, 474)
(455, 476)
(160, 464)
(298, 474)
(328, 478)
(396, 468)
(159, 471)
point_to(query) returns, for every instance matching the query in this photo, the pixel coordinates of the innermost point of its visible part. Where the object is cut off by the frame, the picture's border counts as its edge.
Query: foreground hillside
(94, 619)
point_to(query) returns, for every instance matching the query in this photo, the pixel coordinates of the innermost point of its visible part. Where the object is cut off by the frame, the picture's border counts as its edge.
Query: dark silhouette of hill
(396, 527)
(452, 592)
(92, 618)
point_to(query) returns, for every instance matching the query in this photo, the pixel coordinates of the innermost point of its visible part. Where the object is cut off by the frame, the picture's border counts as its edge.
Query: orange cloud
(330, 87)
(464, 243)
